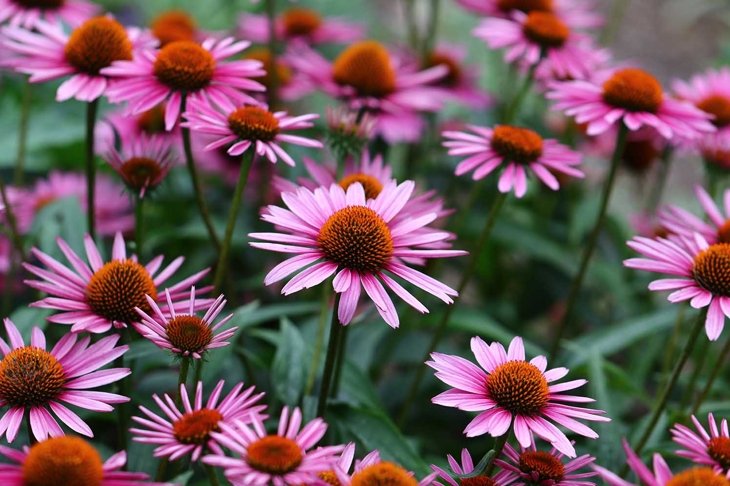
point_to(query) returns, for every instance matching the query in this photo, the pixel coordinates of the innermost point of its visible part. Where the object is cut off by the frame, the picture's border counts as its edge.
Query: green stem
(722, 357)
(699, 366)
(672, 344)
(197, 187)
(329, 362)
(15, 237)
(514, 107)
(123, 409)
(212, 475)
(91, 112)
(340, 361)
(664, 395)
(410, 15)
(319, 340)
(222, 266)
(429, 40)
(273, 55)
(182, 378)
(162, 469)
(199, 371)
(499, 443)
(444, 322)
(138, 223)
(22, 134)
(577, 283)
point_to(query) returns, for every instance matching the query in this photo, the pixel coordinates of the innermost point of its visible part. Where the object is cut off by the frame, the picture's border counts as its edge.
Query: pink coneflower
(373, 470)
(250, 127)
(302, 25)
(518, 149)
(290, 84)
(119, 127)
(662, 475)
(543, 468)
(702, 448)
(94, 297)
(630, 96)
(698, 273)
(50, 54)
(188, 432)
(710, 92)
(174, 25)
(461, 82)
(40, 382)
(67, 461)
(28, 13)
(502, 478)
(333, 231)
(280, 459)
(512, 393)
(680, 221)
(539, 36)
(143, 164)
(185, 334)
(113, 209)
(367, 78)
(185, 70)
(577, 13)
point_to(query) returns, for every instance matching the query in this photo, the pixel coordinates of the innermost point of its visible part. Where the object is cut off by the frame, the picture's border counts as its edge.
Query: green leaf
(375, 430)
(289, 369)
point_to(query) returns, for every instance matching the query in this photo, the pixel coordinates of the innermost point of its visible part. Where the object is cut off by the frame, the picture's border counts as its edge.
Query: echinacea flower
(630, 96)
(250, 127)
(68, 461)
(284, 458)
(545, 468)
(373, 470)
(714, 226)
(113, 211)
(185, 71)
(39, 382)
(662, 475)
(466, 468)
(518, 149)
(188, 432)
(50, 53)
(360, 241)
(702, 447)
(299, 25)
(698, 272)
(367, 78)
(143, 164)
(174, 25)
(461, 82)
(94, 297)
(185, 334)
(27, 13)
(539, 37)
(710, 92)
(120, 128)
(512, 393)
(290, 84)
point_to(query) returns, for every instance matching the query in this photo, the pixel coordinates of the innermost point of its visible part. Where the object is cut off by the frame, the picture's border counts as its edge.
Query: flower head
(185, 334)
(662, 475)
(190, 431)
(576, 13)
(371, 470)
(49, 53)
(70, 461)
(143, 164)
(174, 25)
(290, 84)
(466, 468)
(714, 226)
(542, 468)
(285, 457)
(698, 271)
(461, 82)
(39, 382)
(359, 241)
(516, 148)
(710, 92)
(702, 447)
(540, 37)
(630, 96)
(113, 209)
(250, 127)
(185, 70)
(94, 297)
(368, 78)
(297, 24)
(28, 13)
(513, 393)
